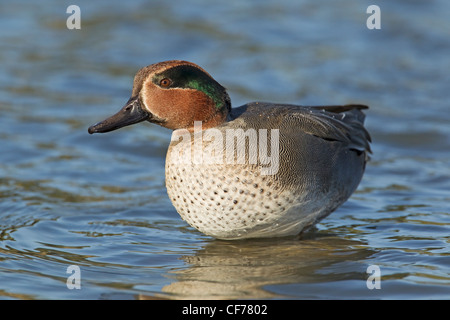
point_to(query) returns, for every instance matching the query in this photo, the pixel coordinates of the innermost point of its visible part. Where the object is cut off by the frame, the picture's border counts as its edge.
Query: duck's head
(172, 94)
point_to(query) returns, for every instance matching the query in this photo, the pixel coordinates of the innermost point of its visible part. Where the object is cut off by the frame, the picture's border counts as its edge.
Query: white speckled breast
(227, 204)
(230, 201)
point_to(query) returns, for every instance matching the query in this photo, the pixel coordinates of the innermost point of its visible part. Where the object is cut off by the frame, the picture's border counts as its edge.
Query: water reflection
(242, 269)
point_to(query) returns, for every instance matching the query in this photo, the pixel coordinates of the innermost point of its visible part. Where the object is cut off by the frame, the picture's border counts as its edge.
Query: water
(99, 202)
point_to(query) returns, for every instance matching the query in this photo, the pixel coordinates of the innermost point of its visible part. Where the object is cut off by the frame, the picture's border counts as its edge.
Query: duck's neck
(217, 114)
(216, 119)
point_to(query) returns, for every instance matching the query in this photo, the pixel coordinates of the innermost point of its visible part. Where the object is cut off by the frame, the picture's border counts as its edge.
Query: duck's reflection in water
(242, 269)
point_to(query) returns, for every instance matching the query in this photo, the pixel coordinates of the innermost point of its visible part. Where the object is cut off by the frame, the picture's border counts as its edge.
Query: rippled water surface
(99, 202)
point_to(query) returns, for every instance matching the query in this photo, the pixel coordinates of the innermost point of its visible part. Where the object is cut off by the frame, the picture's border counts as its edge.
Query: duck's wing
(344, 123)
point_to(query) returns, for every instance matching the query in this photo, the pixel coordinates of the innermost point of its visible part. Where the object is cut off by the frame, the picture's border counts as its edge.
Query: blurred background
(99, 202)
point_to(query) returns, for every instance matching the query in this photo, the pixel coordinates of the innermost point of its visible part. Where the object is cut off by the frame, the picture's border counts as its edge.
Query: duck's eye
(165, 83)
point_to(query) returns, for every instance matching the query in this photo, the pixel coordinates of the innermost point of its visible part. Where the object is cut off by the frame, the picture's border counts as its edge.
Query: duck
(261, 170)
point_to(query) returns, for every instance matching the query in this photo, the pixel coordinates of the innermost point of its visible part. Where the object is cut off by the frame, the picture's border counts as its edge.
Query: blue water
(99, 202)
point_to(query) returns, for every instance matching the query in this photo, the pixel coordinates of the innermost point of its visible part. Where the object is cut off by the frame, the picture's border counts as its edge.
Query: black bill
(130, 114)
